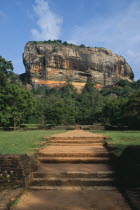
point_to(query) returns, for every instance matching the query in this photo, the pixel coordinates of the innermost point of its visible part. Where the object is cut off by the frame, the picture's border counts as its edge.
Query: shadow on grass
(127, 167)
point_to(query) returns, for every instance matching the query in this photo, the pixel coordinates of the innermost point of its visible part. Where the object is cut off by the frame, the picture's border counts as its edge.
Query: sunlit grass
(121, 139)
(23, 142)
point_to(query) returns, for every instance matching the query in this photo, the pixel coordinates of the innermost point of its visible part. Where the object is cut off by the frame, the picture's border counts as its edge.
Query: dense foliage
(58, 42)
(17, 104)
(117, 106)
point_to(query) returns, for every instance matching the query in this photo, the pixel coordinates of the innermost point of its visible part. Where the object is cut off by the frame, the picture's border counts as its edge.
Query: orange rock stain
(51, 83)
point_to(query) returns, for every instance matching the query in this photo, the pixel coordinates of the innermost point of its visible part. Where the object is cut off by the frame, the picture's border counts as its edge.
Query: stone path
(74, 174)
(7, 196)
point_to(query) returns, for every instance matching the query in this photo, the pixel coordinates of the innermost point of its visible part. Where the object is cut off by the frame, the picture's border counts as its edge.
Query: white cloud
(120, 32)
(48, 22)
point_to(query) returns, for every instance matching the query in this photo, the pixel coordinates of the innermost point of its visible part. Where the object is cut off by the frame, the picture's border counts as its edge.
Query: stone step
(74, 174)
(73, 182)
(71, 149)
(77, 138)
(72, 167)
(62, 154)
(100, 145)
(74, 159)
(83, 141)
(72, 188)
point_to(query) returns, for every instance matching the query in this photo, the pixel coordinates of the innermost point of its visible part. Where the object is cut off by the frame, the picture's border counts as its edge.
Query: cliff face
(54, 64)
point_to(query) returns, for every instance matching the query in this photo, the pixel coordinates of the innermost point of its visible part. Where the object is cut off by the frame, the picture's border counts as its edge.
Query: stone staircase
(74, 174)
(76, 140)
(74, 160)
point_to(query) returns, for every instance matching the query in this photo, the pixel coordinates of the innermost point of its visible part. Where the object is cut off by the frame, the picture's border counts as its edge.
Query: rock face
(54, 64)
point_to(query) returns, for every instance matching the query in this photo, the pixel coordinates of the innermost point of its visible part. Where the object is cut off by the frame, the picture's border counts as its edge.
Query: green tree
(16, 105)
(82, 45)
(5, 66)
(5, 69)
(90, 105)
(132, 111)
(65, 43)
(68, 89)
(59, 110)
(59, 41)
(136, 85)
(123, 83)
(89, 88)
(113, 112)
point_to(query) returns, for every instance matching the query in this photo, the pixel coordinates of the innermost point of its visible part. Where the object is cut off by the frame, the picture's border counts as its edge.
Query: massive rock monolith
(55, 64)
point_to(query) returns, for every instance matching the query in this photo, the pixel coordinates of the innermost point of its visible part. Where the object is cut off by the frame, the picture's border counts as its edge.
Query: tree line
(58, 42)
(117, 106)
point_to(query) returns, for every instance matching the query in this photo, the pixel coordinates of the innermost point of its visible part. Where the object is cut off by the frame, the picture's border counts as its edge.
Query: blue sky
(111, 24)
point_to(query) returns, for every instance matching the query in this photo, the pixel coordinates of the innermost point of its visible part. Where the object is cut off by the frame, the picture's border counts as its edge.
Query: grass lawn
(121, 139)
(23, 142)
